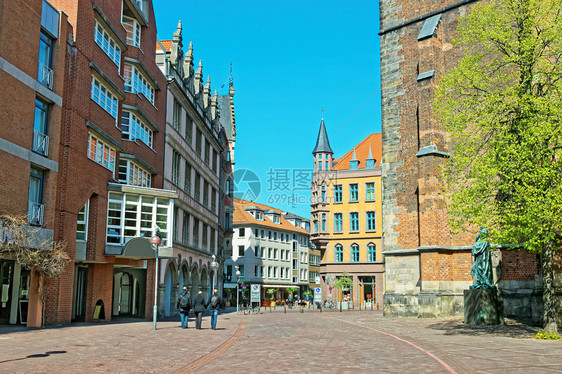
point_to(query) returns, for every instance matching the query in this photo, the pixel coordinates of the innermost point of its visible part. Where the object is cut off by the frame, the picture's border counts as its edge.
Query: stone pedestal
(483, 307)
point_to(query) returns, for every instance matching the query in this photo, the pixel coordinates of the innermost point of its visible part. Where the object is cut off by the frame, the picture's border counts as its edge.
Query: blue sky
(291, 59)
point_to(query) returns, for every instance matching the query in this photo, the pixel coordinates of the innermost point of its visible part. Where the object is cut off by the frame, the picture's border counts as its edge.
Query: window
(276, 219)
(315, 226)
(269, 271)
(205, 193)
(101, 153)
(282, 273)
(241, 269)
(176, 120)
(339, 253)
(323, 222)
(275, 253)
(319, 165)
(207, 153)
(370, 191)
(188, 129)
(241, 232)
(195, 232)
(354, 221)
(372, 252)
(187, 178)
(371, 221)
(35, 201)
(269, 235)
(257, 252)
(212, 241)
(135, 82)
(295, 264)
(256, 271)
(198, 140)
(82, 223)
(354, 253)
(338, 222)
(240, 251)
(185, 228)
(197, 187)
(259, 215)
(213, 200)
(214, 160)
(323, 194)
(45, 65)
(353, 192)
(176, 221)
(107, 44)
(133, 31)
(275, 235)
(229, 271)
(270, 253)
(40, 128)
(337, 193)
(132, 174)
(101, 95)
(132, 128)
(205, 237)
(261, 271)
(132, 215)
(275, 272)
(176, 160)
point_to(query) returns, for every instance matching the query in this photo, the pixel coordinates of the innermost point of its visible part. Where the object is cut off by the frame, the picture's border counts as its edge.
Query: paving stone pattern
(311, 342)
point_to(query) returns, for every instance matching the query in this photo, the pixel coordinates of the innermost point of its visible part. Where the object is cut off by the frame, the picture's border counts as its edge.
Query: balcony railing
(45, 75)
(35, 213)
(40, 143)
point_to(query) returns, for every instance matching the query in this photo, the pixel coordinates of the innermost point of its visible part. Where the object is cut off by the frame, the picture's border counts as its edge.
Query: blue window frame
(354, 221)
(339, 253)
(338, 222)
(354, 253)
(353, 192)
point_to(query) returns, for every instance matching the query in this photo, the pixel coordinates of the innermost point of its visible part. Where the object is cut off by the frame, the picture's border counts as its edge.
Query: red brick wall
(519, 265)
(446, 266)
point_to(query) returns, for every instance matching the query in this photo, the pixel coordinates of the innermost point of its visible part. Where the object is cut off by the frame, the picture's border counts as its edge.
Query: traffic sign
(255, 294)
(317, 295)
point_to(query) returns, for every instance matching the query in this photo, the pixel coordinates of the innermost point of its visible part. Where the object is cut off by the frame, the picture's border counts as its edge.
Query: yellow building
(347, 220)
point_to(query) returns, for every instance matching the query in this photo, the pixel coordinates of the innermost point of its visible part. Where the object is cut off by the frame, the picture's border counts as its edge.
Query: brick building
(33, 46)
(197, 168)
(110, 192)
(346, 219)
(427, 268)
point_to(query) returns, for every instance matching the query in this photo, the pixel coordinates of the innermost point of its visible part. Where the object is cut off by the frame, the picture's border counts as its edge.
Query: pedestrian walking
(215, 305)
(184, 306)
(199, 306)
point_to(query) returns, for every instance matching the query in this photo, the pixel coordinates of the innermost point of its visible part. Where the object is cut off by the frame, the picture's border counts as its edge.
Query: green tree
(271, 293)
(292, 290)
(344, 282)
(502, 107)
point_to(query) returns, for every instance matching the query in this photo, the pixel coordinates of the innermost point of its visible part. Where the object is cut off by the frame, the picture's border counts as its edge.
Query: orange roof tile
(241, 216)
(362, 152)
(166, 43)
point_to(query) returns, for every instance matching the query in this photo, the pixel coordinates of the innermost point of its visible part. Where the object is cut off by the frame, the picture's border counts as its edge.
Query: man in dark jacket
(184, 306)
(199, 306)
(215, 304)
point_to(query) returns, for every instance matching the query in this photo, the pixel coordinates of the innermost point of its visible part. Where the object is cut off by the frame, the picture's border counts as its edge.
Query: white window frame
(133, 29)
(84, 212)
(104, 97)
(101, 153)
(107, 44)
(135, 175)
(136, 82)
(135, 128)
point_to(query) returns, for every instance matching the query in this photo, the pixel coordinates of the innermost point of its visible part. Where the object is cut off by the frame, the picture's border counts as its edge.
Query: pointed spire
(176, 48)
(199, 78)
(370, 161)
(214, 105)
(354, 156)
(322, 142)
(207, 92)
(188, 62)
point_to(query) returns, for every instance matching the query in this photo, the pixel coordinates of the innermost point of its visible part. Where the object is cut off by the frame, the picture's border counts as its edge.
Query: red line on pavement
(443, 363)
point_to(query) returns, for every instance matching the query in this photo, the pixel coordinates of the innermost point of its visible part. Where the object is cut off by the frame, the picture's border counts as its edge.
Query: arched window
(323, 194)
(339, 253)
(355, 252)
(323, 222)
(372, 252)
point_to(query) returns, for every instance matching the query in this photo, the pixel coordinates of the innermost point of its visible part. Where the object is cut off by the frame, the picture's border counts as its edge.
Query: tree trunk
(549, 311)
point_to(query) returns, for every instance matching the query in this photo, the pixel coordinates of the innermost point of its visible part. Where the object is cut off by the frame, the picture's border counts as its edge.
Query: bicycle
(251, 309)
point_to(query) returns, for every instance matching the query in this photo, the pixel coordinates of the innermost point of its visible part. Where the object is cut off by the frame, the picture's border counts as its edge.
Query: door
(80, 294)
(6, 279)
(125, 295)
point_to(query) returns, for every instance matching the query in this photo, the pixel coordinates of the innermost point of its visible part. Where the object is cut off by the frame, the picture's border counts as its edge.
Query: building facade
(428, 267)
(110, 198)
(33, 50)
(347, 220)
(268, 249)
(197, 167)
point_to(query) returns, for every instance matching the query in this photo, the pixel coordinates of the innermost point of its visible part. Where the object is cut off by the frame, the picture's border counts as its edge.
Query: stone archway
(205, 281)
(170, 287)
(195, 281)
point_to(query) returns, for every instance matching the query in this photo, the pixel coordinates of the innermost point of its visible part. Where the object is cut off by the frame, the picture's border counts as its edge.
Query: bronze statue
(482, 262)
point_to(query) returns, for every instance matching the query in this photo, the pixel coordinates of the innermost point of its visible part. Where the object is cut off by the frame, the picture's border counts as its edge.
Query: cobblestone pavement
(311, 342)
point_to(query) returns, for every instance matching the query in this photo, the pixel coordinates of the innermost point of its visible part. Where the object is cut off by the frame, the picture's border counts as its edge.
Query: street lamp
(215, 266)
(237, 286)
(155, 241)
